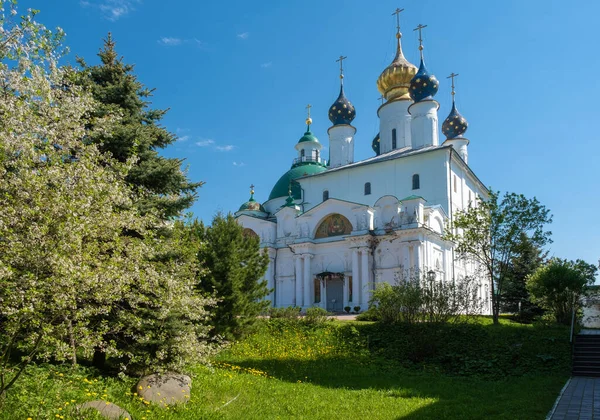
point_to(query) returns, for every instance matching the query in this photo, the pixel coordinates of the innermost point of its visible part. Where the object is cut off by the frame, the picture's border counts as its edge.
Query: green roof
(308, 136)
(281, 187)
(252, 205)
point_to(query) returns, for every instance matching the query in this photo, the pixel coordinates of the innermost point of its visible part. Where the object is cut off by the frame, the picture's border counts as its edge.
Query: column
(308, 295)
(355, 277)
(270, 282)
(298, 280)
(346, 279)
(365, 278)
(418, 258)
(323, 285)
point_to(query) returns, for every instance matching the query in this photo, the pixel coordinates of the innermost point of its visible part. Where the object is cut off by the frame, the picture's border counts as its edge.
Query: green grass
(286, 371)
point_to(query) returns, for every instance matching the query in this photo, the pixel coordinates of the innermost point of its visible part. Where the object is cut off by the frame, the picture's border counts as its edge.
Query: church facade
(335, 229)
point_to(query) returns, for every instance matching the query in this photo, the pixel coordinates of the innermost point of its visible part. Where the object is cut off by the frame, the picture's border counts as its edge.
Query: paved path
(579, 400)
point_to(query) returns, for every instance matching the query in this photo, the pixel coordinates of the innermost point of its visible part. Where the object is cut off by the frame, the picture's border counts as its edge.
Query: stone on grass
(165, 389)
(106, 409)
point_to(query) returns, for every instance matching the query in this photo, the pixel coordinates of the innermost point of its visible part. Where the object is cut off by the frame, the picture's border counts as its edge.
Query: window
(302, 153)
(368, 188)
(325, 195)
(416, 183)
(350, 297)
(317, 155)
(317, 290)
(393, 139)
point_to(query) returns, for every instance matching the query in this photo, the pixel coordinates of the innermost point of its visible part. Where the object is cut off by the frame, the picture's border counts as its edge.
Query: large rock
(165, 389)
(106, 409)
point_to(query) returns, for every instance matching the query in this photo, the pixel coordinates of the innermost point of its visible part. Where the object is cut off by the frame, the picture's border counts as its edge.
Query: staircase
(586, 354)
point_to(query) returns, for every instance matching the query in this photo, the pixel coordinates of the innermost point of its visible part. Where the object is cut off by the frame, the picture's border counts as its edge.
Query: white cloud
(243, 35)
(266, 65)
(239, 164)
(112, 9)
(227, 148)
(169, 41)
(205, 142)
(183, 138)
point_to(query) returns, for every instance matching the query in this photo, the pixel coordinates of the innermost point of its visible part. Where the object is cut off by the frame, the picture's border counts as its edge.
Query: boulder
(106, 409)
(165, 389)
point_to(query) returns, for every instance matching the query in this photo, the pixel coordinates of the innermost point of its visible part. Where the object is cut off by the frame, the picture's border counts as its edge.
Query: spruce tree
(528, 259)
(235, 265)
(139, 134)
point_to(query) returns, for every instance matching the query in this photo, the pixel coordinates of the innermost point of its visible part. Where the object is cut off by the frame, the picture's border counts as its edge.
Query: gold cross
(251, 189)
(308, 107)
(397, 13)
(452, 76)
(420, 28)
(341, 61)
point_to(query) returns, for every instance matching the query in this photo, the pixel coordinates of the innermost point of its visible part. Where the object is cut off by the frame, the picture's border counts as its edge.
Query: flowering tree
(64, 205)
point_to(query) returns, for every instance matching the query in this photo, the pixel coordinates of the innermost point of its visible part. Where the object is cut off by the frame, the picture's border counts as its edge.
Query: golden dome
(394, 81)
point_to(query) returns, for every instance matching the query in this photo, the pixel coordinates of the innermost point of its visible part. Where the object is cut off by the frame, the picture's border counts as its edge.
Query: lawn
(292, 371)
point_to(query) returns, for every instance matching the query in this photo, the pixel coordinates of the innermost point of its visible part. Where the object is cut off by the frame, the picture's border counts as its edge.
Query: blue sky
(237, 76)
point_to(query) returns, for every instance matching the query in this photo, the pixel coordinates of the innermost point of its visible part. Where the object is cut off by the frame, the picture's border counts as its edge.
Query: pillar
(308, 295)
(323, 286)
(424, 123)
(346, 280)
(298, 279)
(355, 278)
(365, 278)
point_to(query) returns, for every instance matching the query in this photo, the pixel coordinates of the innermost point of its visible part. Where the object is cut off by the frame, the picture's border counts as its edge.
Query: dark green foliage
(558, 286)
(235, 265)
(291, 312)
(139, 134)
(316, 316)
(472, 349)
(527, 259)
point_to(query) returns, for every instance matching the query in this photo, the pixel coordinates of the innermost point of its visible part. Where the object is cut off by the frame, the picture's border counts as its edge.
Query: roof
(412, 197)
(283, 184)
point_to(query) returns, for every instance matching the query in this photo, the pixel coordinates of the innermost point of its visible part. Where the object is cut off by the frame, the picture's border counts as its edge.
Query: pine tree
(139, 134)
(234, 266)
(528, 259)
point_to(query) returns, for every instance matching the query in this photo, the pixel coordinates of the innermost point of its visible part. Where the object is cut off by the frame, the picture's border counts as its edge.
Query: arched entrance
(331, 290)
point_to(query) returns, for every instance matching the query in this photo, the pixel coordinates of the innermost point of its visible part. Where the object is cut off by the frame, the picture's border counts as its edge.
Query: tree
(489, 234)
(138, 134)
(558, 286)
(234, 267)
(515, 297)
(64, 205)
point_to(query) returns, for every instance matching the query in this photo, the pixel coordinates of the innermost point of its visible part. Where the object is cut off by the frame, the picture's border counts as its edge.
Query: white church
(335, 229)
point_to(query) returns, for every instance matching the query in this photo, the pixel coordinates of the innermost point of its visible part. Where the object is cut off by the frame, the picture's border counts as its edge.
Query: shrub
(347, 309)
(291, 312)
(316, 316)
(357, 309)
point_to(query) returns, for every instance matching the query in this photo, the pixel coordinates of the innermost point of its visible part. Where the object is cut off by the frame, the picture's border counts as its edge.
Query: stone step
(593, 374)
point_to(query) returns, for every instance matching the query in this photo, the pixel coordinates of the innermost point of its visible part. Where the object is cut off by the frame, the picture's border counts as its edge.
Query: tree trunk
(72, 342)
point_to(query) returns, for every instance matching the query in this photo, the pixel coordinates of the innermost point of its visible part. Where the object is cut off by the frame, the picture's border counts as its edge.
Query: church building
(335, 229)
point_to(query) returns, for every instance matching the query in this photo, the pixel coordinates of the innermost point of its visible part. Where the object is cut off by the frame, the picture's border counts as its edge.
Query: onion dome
(424, 85)
(394, 81)
(342, 111)
(455, 124)
(375, 144)
(308, 137)
(252, 204)
(280, 189)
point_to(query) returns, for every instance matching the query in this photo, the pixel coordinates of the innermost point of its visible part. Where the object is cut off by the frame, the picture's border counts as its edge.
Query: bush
(316, 316)
(347, 309)
(291, 312)
(417, 300)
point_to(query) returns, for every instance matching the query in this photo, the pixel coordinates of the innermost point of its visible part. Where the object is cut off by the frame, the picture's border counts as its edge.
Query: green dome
(308, 136)
(252, 205)
(281, 187)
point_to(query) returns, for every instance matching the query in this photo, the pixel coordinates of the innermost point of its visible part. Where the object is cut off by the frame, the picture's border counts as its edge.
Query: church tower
(423, 87)
(455, 126)
(393, 84)
(341, 134)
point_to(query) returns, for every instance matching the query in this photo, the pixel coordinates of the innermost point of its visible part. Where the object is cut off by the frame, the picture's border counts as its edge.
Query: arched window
(416, 182)
(393, 138)
(317, 155)
(333, 225)
(325, 195)
(368, 188)
(302, 153)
